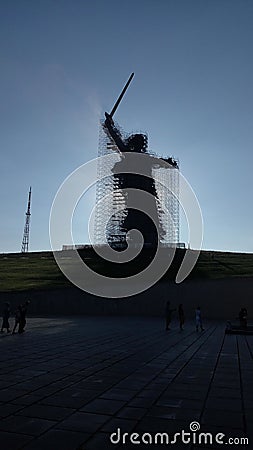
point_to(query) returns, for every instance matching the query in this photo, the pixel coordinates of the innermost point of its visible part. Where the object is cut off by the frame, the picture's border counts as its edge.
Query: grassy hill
(38, 270)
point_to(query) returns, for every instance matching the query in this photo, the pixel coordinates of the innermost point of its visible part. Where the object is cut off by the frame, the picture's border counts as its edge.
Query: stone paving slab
(69, 383)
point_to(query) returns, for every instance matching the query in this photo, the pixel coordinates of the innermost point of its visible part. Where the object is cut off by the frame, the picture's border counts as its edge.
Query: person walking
(6, 316)
(168, 313)
(22, 320)
(198, 317)
(17, 318)
(181, 316)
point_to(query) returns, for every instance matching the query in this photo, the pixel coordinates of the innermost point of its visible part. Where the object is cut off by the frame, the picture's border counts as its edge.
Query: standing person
(243, 314)
(6, 315)
(198, 319)
(168, 312)
(22, 320)
(17, 318)
(181, 316)
(245, 317)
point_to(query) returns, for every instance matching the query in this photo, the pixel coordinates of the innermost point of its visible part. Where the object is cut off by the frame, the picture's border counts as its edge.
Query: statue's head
(137, 143)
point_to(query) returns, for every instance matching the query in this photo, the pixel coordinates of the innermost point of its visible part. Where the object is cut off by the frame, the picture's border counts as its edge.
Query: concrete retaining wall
(219, 299)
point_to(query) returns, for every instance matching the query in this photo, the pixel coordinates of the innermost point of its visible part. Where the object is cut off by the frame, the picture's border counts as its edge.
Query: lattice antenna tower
(25, 241)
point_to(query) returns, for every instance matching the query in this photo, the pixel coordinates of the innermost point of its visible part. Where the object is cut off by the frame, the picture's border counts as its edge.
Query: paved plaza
(69, 383)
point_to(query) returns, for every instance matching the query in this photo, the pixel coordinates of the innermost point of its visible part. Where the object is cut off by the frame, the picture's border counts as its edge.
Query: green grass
(39, 270)
(225, 264)
(33, 271)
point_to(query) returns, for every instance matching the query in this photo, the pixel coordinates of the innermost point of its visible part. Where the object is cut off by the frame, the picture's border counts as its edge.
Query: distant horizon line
(90, 245)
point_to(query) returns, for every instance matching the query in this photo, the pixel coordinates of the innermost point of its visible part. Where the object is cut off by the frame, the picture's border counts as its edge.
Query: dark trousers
(22, 324)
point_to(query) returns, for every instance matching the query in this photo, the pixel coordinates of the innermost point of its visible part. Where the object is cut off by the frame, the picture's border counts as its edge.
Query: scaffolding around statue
(110, 203)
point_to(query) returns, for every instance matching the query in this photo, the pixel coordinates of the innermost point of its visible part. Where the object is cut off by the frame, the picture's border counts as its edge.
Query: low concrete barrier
(219, 299)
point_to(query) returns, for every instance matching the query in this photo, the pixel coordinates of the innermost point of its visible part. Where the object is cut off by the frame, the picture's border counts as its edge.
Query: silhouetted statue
(135, 219)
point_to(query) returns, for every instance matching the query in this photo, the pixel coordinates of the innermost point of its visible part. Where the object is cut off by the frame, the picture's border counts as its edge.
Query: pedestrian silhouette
(243, 314)
(23, 311)
(6, 315)
(181, 316)
(198, 318)
(168, 313)
(17, 318)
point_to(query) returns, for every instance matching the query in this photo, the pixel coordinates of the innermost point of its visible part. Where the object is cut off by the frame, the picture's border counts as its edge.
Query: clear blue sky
(63, 63)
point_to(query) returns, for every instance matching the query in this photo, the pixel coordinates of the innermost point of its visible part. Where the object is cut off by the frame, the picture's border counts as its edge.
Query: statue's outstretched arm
(114, 133)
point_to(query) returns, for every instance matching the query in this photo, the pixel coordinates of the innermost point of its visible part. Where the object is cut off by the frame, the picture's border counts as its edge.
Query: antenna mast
(25, 241)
